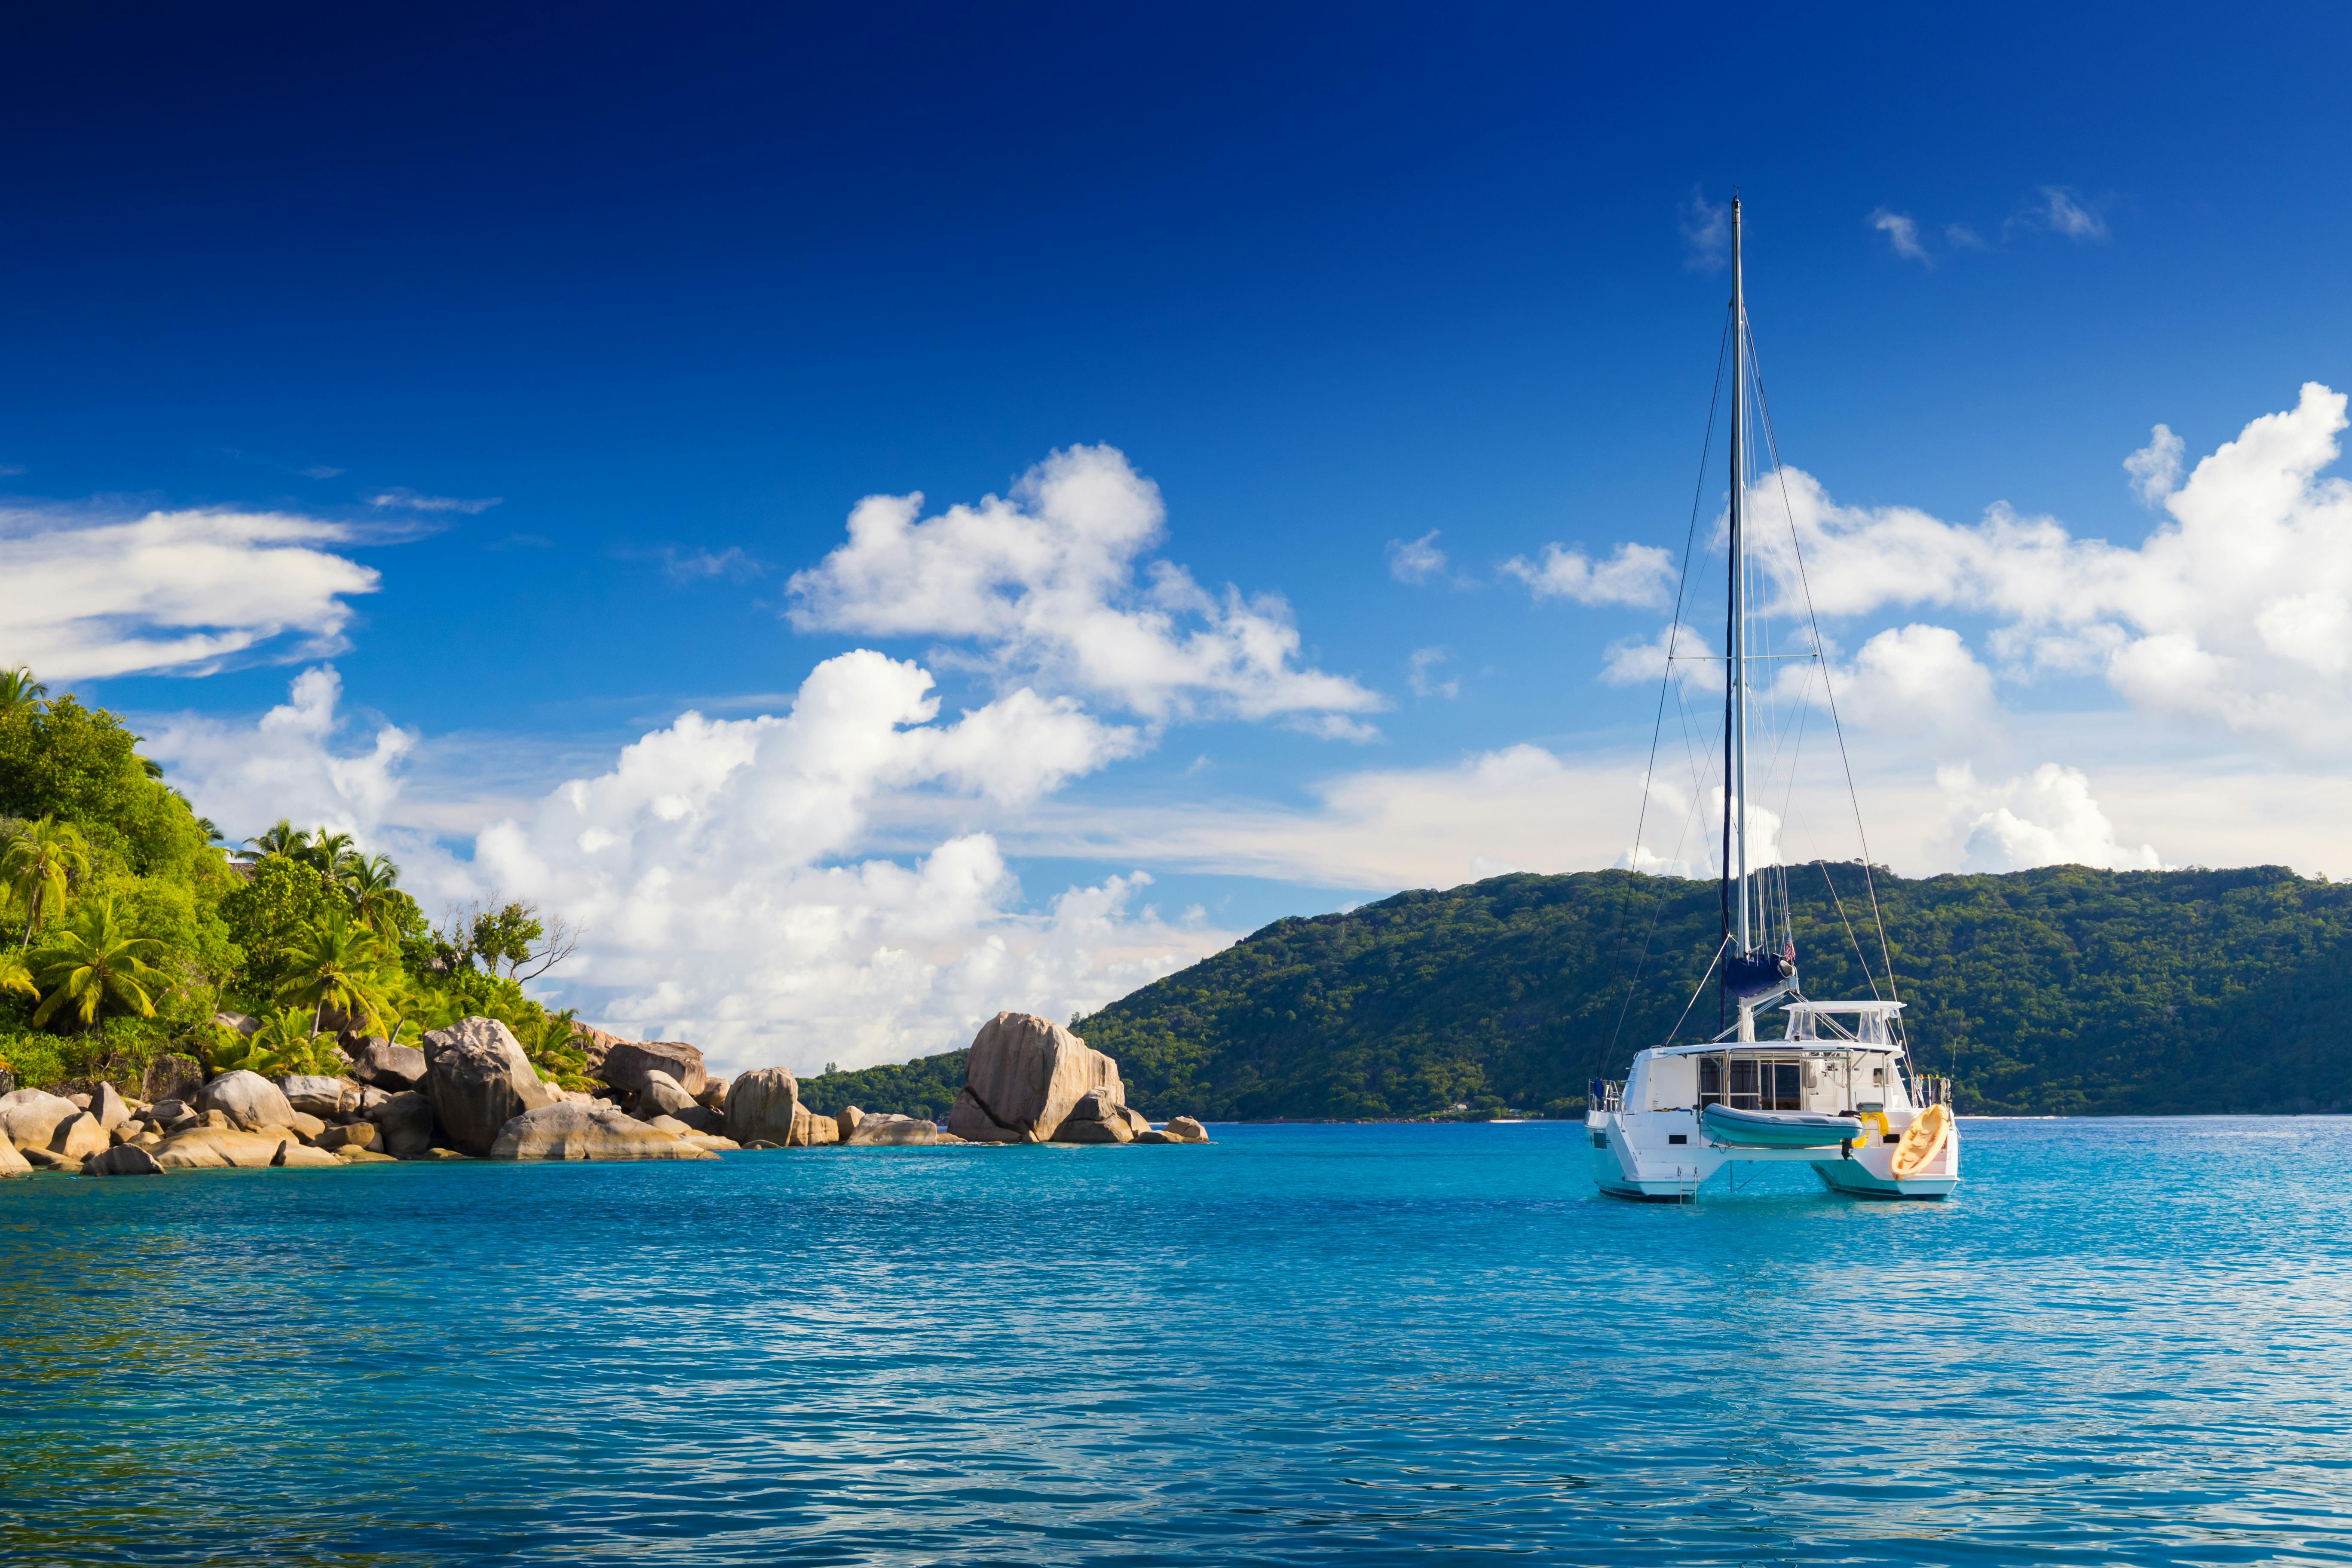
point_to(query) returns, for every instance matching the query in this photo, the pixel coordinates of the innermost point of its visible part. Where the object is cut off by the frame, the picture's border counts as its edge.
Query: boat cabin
(1836, 1057)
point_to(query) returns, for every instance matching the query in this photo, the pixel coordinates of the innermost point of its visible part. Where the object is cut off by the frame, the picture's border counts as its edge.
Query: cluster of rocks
(471, 1091)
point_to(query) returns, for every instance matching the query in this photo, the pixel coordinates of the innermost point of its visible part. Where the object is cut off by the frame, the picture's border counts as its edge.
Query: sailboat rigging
(1837, 1089)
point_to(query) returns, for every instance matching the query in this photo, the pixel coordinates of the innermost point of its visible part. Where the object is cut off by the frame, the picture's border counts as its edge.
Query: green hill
(2059, 991)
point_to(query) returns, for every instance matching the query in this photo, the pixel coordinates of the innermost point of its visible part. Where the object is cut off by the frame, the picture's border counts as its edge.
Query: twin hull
(1652, 1143)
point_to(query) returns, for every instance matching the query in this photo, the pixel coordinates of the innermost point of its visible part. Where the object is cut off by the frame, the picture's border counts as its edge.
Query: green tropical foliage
(41, 861)
(94, 961)
(128, 930)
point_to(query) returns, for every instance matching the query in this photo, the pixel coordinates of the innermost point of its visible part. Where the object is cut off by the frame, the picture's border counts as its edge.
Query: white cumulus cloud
(1638, 574)
(1048, 583)
(2046, 817)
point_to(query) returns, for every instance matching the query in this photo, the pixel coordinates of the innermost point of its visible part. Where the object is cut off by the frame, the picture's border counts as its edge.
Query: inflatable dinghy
(1777, 1129)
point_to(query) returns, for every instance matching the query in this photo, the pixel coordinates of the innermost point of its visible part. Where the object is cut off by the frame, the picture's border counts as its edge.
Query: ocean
(2124, 1342)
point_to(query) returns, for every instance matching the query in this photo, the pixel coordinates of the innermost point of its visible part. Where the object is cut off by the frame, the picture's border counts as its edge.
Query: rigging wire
(1657, 727)
(1829, 688)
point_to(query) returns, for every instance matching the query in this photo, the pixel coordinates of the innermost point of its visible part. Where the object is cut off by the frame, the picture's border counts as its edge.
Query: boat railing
(1927, 1091)
(1603, 1095)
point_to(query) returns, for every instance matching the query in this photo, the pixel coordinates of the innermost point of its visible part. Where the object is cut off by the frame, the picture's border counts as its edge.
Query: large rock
(596, 1045)
(249, 1100)
(878, 1128)
(123, 1160)
(405, 1120)
(319, 1095)
(479, 1079)
(761, 1106)
(358, 1135)
(1023, 1077)
(810, 1130)
(662, 1095)
(1184, 1129)
(704, 1119)
(295, 1156)
(244, 1024)
(79, 1136)
(627, 1063)
(108, 1106)
(12, 1164)
(1098, 1118)
(170, 1115)
(382, 1065)
(31, 1117)
(713, 1095)
(171, 1077)
(215, 1148)
(572, 1130)
(845, 1120)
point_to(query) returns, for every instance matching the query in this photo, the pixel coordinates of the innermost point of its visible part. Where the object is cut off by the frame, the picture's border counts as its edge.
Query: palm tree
(96, 962)
(282, 839)
(330, 852)
(16, 976)
(288, 1042)
(38, 863)
(20, 693)
(371, 884)
(331, 962)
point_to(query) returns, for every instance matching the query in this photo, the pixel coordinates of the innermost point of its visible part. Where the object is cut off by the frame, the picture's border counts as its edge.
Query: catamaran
(1836, 1089)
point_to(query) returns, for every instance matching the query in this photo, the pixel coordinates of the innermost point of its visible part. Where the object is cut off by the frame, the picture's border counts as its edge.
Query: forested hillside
(2060, 991)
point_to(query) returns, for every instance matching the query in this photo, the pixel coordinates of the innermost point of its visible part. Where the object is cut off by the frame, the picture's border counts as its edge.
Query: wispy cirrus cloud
(1706, 232)
(94, 593)
(1415, 560)
(1902, 235)
(735, 564)
(407, 499)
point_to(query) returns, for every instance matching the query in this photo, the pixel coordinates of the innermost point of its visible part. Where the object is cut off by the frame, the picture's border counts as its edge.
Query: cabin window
(1754, 1084)
(1878, 1076)
(1677, 1137)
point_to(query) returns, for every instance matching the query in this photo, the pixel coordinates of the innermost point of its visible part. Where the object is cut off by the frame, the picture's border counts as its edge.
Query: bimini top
(1866, 1009)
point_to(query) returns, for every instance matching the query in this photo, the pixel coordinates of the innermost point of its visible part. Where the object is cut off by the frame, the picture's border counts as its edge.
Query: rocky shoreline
(470, 1093)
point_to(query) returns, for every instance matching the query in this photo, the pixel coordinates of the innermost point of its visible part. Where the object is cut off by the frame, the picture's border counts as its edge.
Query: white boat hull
(1636, 1156)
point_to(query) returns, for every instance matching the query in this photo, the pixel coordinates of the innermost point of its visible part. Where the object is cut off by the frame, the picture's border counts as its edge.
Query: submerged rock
(479, 1079)
(760, 1106)
(571, 1131)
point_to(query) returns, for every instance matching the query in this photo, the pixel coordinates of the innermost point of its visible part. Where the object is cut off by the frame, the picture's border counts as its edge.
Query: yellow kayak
(1922, 1141)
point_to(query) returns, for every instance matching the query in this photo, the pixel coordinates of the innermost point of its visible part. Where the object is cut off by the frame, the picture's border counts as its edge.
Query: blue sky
(674, 291)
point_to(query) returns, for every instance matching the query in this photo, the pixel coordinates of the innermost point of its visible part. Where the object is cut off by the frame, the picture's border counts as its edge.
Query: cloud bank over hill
(832, 880)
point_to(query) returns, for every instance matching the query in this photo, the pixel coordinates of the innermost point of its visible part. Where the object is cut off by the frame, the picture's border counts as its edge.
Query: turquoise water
(2125, 1341)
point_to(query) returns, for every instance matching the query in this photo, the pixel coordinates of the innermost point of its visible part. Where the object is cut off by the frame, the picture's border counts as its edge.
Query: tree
(81, 765)
(334, 960)
(20, 693)
(330, 852)
(268, 916)
(41, 861)
(282, 837)
(371, 883)
(94, 963)
(513, 937)
(16, 976)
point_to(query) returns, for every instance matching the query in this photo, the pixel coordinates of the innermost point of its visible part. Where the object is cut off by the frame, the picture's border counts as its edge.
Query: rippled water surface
(2124, 1342)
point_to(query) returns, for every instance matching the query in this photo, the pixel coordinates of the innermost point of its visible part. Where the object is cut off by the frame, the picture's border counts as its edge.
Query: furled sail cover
(1747, 974)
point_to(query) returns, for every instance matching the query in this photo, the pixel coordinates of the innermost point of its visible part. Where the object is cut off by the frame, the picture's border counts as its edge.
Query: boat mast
(1735, 773)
